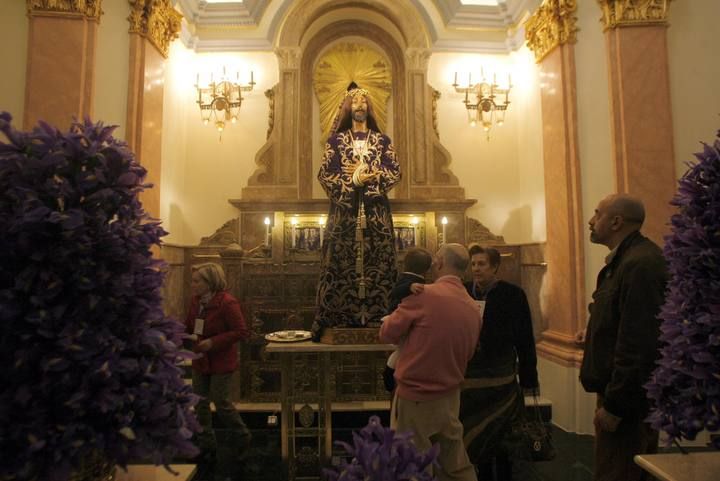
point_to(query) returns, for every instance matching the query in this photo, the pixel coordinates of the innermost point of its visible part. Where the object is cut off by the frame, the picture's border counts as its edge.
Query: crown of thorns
(357, 91)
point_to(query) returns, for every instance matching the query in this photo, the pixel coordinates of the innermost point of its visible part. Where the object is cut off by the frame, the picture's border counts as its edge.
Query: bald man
(441, 327)
(621, 342)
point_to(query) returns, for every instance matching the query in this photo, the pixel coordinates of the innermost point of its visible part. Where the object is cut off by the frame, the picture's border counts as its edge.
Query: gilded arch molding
(551, 25)
(402, 13)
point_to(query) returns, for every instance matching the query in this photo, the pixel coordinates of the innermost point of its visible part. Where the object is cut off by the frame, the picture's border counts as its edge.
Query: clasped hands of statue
(361, 175)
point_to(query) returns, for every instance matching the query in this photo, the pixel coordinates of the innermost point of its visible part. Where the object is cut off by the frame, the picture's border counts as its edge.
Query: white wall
(593, 104)
(202, 170)
(112, 62)
(13, 56)
(509, 191)
(694, 76)
(529, 218)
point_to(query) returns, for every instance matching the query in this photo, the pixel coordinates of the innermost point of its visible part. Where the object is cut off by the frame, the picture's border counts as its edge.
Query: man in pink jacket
(441, 327)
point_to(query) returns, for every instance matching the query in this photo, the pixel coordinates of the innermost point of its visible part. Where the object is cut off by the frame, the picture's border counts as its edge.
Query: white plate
(288, 336)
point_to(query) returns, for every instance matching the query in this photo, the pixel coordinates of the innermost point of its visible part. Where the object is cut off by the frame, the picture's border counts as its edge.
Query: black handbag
(535, 435)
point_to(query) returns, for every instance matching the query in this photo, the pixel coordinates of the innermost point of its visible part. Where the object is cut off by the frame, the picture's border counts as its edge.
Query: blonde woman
(216, 324)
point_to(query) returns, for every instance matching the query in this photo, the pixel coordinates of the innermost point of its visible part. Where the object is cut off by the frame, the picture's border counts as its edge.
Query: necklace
(360, 147)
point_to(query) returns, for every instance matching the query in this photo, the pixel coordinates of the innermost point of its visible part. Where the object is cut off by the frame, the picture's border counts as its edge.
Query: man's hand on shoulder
(417, 288)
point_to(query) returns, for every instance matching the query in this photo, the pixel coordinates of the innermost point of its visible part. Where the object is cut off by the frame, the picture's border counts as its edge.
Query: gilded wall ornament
(88, 8)
(551, 25)
(270, 94)
(435, 97)
(155, 20)
(342, 64)
(619, 13)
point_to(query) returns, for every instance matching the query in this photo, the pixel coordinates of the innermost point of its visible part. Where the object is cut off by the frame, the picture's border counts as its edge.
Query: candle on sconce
(197, 79)
(444, 222)
(293, 222)
(322, 229)
(252, 81)
(267, 231)
(415, 221)
(455, 83)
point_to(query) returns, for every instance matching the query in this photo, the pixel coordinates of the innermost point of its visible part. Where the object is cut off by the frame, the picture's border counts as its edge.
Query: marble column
(550, 34)
(61, 46)
(153, 26)
(640, 110)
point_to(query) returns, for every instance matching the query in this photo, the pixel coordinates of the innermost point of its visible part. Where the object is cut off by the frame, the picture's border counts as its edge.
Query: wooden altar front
(310, 374)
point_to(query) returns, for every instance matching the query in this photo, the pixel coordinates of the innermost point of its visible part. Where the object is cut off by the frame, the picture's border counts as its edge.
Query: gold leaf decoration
(551, 25)
(88, 8)
(155, 20)
(342, 64)
(618, 13)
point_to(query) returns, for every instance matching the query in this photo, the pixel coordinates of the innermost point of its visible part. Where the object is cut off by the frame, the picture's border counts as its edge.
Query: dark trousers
(614, 452)
(215, 388)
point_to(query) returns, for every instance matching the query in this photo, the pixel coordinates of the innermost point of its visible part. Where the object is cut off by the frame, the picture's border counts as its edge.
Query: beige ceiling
(451, 25)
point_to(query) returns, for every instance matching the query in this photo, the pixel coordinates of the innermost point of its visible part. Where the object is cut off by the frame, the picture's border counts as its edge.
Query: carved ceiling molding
(553, 24)
(155, 20)
(247, 13)
(628, 13)
(506, 14)
(87, 8)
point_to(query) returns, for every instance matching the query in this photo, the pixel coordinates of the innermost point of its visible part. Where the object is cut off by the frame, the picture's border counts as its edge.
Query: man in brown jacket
(621, 344)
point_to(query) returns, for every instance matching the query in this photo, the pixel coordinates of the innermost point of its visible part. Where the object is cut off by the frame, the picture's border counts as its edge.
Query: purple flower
(89, 361)
(685, 387)
(381, 454)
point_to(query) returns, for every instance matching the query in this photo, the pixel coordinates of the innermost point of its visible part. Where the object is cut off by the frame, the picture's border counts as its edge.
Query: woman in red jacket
(216, 324)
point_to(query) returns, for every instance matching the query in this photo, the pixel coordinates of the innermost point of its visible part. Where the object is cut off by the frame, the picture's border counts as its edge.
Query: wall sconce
(220, 101)
(488, 107)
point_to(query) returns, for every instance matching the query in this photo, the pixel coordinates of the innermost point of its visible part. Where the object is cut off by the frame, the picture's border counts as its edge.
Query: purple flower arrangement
(380, 454)
(88, 360)
(685, 386)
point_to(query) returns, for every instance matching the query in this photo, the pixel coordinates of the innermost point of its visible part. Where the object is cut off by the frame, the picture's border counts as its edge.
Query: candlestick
(267, 231)
(444, 230)
(416, 241)
(322, 230)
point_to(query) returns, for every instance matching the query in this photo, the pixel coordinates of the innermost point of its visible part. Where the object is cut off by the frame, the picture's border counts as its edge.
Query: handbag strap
(538, 416)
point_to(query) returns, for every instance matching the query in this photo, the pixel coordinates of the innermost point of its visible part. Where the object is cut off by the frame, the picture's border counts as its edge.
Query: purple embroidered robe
(339, 298)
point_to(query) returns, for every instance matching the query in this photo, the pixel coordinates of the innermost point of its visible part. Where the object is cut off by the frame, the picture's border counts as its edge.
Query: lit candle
(455, 83)
(267, 231)
(322, 230)
(197, 79)
(293, 222)
(444, 232)
(415, 231)
(251, 78)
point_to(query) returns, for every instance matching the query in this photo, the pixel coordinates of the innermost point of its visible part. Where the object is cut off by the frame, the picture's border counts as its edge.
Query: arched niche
(338, 31)
(285, 164)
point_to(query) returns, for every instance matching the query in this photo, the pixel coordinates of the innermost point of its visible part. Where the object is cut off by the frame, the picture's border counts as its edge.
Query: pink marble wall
(564, 293)
(641, 116)
(60, 69)
(145, 114)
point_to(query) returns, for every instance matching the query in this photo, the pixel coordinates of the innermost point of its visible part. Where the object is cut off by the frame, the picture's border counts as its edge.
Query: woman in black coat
(492, 400)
